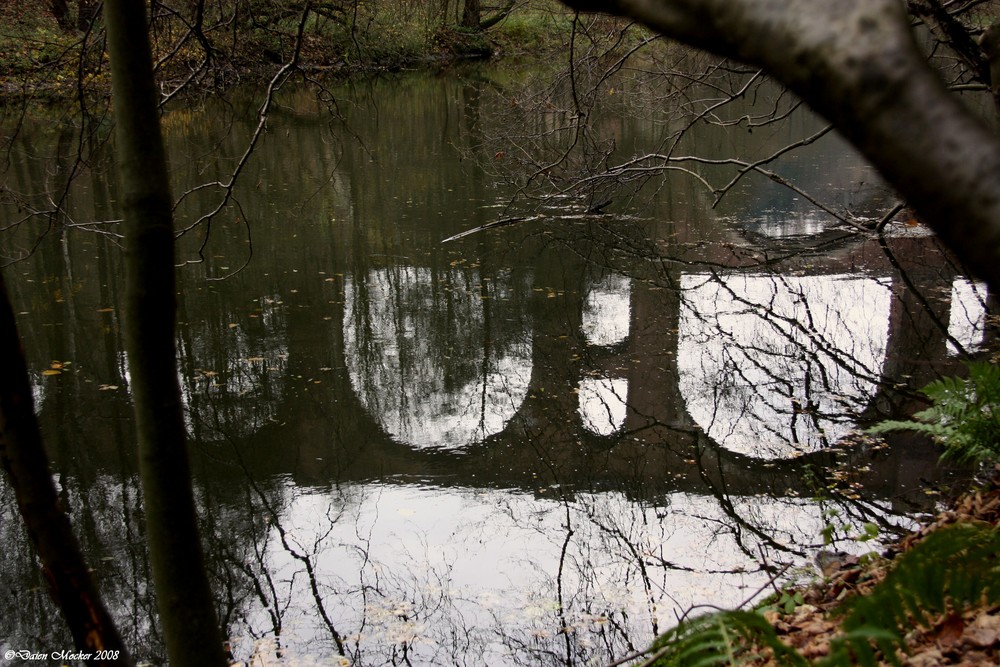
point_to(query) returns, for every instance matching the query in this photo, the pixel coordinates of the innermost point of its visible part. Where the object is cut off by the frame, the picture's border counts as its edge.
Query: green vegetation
(952, 569)
(37, 56)
(215, 43)
(964, 417)
(723, 638)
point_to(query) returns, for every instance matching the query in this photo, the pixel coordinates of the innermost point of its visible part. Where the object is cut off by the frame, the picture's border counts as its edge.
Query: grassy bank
(234, 41)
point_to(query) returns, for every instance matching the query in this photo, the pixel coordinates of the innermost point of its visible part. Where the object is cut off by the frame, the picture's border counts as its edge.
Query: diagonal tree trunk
(184, 598)
(23, 459)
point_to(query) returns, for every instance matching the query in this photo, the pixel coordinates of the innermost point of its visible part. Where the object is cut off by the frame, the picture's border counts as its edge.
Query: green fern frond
(721, 639)
(952, 568)
(964, 417)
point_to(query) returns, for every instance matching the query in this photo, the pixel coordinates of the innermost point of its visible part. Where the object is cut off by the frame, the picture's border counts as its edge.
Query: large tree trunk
(85, 12)
(471, 14)
(183, 595)
(60, 10)
(23, 458)
(856, 63)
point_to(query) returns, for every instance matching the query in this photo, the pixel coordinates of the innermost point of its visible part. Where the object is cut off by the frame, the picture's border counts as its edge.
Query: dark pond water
(537, 444)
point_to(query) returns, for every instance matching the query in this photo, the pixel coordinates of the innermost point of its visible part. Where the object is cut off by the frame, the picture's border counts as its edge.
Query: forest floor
(965, 637)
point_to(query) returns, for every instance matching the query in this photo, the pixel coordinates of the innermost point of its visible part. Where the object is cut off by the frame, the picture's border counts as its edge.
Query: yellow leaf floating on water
(51, 371)
(107, 387)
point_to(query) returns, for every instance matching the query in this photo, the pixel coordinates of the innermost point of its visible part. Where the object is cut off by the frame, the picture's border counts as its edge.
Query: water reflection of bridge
(611, 392)
(561, 372)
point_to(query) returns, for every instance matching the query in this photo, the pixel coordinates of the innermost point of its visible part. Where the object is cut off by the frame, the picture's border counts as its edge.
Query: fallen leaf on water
(51, 371)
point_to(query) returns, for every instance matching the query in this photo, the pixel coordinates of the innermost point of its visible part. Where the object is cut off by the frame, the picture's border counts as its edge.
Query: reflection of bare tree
(783, 360)
(232, 366)
(567, 144)
(593, 515)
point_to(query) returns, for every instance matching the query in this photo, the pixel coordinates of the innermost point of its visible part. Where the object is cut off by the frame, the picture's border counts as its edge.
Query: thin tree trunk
(23, 458)
(184, 598)
(990, 42)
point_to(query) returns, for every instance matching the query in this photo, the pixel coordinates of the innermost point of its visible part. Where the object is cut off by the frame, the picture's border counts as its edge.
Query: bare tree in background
(857, 63)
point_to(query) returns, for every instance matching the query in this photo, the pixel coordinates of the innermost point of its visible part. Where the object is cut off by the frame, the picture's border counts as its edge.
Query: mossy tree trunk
(184, 599)
(60, 10)
(85, 12)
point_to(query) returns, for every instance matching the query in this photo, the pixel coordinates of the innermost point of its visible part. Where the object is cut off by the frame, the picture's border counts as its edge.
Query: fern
(952, 568)
(721, 638)
(964, 417)
(957, 564)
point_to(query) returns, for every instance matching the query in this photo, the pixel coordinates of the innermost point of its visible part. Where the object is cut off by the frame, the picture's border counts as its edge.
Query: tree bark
(856, 63)
(471, 13)
(86, 10)
(60, 10)
(23, 458)
(184, 598)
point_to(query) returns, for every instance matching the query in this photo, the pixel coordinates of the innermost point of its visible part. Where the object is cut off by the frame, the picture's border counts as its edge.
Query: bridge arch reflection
(765, 366)
(427, 358)
(778, 366)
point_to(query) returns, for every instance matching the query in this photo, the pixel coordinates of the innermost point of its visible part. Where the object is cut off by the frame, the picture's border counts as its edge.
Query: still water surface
(538, 444)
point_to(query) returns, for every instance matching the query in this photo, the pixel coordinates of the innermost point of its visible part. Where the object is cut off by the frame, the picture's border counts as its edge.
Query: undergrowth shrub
(950, 570)
(964, 416)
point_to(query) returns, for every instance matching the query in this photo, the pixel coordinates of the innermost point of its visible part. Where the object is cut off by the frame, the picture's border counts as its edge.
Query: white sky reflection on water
(967, 321)
(606, 310)
(602, 404)
(400, 371)
(770, 366)
(458, 570)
